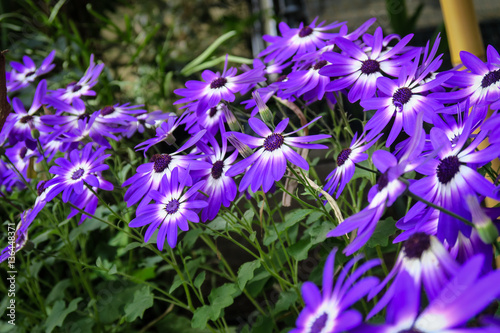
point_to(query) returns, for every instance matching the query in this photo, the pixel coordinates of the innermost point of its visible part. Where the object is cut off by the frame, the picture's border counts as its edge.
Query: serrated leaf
(143, 300)
(246, 272)
(383, 231)
(59, 313)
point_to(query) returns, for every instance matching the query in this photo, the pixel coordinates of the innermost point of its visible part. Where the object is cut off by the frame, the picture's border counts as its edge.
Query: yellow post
(462, 29)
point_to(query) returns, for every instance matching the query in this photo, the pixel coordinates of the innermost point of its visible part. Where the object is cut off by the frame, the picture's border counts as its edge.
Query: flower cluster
(425, 138)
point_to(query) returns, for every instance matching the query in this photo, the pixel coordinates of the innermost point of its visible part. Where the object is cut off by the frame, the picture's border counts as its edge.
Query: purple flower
(146, 120)
(360, 69)
(268, 163)
(307, 82)
(452, 177)
(208, 120)
(75, 90)
(383, 194)
(23, 74)
(173, 208)
(459, 300)
(119, 116)
(217, 87)
(303, 39)
(330, 311)
(149, 175)
(346, 161)
(220, 188)
(402, 99)
(71, 173)
(481, 83)
(426, 260)
(22, 121)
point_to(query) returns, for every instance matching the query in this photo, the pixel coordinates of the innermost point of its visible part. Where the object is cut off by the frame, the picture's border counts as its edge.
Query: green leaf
(285, 301)
(176, 284)
(383, 231)
(201, 316)
(59, 312)
(57, 292)
(198, 281)
(300, 249)
(143, 299)
(246, 271)
(219, 298)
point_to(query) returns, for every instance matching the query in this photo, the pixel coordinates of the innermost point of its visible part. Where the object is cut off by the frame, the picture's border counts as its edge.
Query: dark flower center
(320, 64)
(172, 206)
(218, 83)
(30, 74)
(383, 181)
(411, 330)
(161, 161)
(401, 97)
(490, 78)
(41, 187)
(217, 169)
(273, 141)
(77, 174)
(370, 66)
(319, 323)
(76, 87)
(22, 152)
(417, 244)
(212, 112)
(447, 169)
(343, 156)
(107, 110)
(25, 119)
(84, 116)
(305, 31)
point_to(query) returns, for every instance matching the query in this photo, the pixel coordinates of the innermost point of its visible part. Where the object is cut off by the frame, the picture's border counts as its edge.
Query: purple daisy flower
(208, 120)
(217, 87)
(402, 99)
(22, 121)
(453, 177)
(303, 39)
(71, 173)
(165, 133)
(173, 208)
(149, 175)
(360, 69)
(146, 120)
(330, 311)
(23, 74)
(220, 188)
(75, 90)
(307, 82)
(481, 83)
(426, 260)
(464, 296)
(346, 161)
(381, 195)
(119, 116)
(86, 200)
(268, 163)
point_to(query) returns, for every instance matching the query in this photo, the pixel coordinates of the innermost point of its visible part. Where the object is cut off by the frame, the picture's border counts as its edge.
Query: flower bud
(487, 231)
(264, 111)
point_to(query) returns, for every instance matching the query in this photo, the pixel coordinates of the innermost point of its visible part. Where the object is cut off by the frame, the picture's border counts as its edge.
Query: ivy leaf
(246, 271)
(59, 313)
(143, 299)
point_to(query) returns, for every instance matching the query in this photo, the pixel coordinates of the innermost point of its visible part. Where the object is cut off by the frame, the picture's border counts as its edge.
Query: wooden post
(462, 29)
